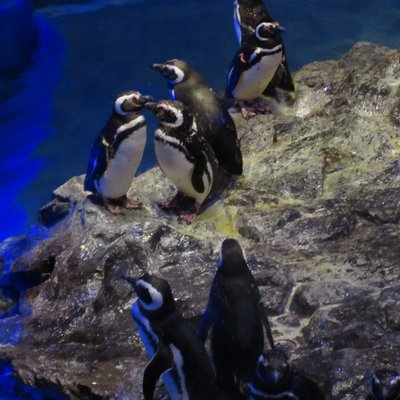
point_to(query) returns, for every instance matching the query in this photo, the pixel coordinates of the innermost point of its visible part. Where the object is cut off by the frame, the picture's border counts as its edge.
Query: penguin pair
(236, 317)
(117, 152)
(183, 155)
(174, 349)
(259, 66)
(384, 385)
(274, 378)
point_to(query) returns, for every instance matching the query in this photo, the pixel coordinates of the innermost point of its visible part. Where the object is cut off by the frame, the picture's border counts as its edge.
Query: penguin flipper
(197, 175)
(161, 362)
(96, 166)
(236, 67)
(264, 319)
(207, 320)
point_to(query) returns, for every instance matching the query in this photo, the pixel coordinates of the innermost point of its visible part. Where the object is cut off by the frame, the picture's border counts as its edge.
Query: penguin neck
(159, 314)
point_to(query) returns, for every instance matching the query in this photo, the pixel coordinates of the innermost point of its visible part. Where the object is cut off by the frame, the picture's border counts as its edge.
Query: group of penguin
(195, 141)
(240, 369)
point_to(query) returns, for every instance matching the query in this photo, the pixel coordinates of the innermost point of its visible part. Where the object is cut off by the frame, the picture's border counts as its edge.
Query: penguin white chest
(253, 81)
(177, 167)
(122, 168)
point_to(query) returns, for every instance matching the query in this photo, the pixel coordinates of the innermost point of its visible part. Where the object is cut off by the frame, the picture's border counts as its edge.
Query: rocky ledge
(317, 211)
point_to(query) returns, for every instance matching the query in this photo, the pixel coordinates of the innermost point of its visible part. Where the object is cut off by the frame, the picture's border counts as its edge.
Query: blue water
(87, 53)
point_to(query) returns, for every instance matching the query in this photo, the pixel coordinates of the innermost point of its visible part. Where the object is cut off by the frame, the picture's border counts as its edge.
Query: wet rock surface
(317, 212)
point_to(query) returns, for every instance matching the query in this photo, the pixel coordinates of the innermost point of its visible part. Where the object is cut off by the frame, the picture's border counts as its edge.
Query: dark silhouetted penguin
(213, 120)
(384, 385)
(235, 316)
(183, 155)
(117, 152)
(175, 350)
(274, 378)
(248, 14)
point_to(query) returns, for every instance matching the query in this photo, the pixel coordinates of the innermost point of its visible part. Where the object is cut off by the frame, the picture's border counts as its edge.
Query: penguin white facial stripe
(178, 359)
(178, 115)
(268, 24)
(178, 72)
(156, 296)
(119, 101)
(130, 124)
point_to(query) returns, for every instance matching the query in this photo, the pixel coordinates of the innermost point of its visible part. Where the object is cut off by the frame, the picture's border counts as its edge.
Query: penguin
(247, 15)
(384, 385)
(174, 349)
(213, 120)
(274, 378)
(183, 155)
(236, 317)
(117, 152)
(254, 66)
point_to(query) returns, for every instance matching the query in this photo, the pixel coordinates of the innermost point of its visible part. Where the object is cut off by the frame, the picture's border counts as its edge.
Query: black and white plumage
(183, 155)
(384, 385)
(248, 14)
(236, 317)
(117, 152)
(274, 378)
(175, 351)
(213, 120)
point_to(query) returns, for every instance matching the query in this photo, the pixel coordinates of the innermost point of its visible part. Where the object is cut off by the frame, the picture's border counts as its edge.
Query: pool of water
(52, 110)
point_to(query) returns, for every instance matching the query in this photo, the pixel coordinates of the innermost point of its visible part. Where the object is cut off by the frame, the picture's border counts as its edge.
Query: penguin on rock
(253, 68)
(274, 378)
(384, 385)
(175, 351)
(184, 156)
(236, 316)
(117, 152)
(213, 120)
(246, 16)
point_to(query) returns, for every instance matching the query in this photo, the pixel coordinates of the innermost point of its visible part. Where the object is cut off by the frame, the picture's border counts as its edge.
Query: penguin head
(231, 260)
(130, 102)
(171, 113)
(175, 71)
(273, 367)
(266, 31)
(154, 294)
(385, 385)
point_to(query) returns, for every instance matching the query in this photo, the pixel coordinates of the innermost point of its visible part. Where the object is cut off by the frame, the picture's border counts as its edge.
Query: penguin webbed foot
(130, 204)
(190, 215)
(257, 106)
(177, 202)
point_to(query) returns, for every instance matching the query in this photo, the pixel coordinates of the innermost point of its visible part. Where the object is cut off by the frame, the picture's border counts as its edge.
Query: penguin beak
(143, 100)
(151, 107)
(157, 67)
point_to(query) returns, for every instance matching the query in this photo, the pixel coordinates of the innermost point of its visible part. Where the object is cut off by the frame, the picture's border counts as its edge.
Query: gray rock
(317, 212)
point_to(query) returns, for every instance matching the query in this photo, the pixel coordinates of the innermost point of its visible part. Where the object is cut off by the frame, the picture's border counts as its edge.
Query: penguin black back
(234, 316)
(213, 120)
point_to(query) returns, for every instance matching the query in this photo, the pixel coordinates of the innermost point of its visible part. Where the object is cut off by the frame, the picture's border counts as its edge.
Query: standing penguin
(173, 346)
(384, 385)
(236, 317)
(274, 378)
(254, 66)
(213, 120)
(117, 152)
(248, 14)
(183, 155)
